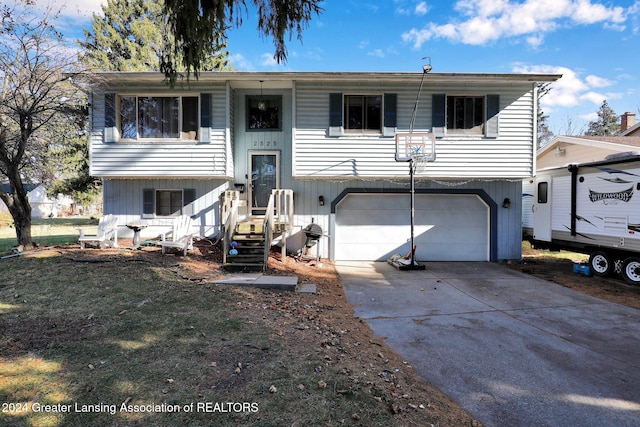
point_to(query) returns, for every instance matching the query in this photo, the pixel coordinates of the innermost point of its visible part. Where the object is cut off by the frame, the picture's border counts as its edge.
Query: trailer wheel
(631, 270)
(600, 263)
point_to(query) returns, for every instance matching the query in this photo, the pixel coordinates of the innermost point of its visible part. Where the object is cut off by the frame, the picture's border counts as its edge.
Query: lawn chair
(107, 233)
(181, 237)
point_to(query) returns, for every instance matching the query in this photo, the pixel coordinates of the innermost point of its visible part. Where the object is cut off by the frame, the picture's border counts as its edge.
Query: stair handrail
(228, 219)
(283, 208)
(268, 226)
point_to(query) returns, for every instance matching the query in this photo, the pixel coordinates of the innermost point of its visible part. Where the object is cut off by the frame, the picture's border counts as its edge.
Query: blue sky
(593, 43)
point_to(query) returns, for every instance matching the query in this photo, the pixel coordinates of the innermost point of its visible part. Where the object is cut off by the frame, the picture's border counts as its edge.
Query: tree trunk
(20, 209)
(22, 222)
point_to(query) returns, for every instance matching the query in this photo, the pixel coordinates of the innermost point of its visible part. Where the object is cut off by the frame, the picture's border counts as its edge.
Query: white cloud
(595, 81)
(571, 90)
(240, 63)
(378, 53)
(422, 8)
(565, 92)
(486, 21)
(593, 97)
(268, 60)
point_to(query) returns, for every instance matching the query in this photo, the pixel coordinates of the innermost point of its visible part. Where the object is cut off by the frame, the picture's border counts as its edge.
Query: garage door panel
(447, 227)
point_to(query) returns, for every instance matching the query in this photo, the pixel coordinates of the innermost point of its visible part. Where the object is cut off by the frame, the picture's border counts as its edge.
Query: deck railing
(228, 219)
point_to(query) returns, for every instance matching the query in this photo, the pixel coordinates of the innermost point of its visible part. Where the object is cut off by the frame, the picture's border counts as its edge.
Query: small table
(137, 227)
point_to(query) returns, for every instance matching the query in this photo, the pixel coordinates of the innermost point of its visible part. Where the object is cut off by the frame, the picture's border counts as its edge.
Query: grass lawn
(46, 231)
(130, 338)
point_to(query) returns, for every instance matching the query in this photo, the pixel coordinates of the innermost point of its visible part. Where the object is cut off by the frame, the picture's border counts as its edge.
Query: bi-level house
(226, 140)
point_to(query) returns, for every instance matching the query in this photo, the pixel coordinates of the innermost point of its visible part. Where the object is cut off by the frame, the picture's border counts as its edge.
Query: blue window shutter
(206, 117)
(335, 109)
(109, 110)
(493, 110)
(335, 114)
(148, 202)
(205, 110)
(390, 110)
(109, 117)
(438, 114)
(188, 197)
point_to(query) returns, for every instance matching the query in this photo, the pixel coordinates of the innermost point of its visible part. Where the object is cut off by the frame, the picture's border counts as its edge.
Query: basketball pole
(412, 169)
(413, 194)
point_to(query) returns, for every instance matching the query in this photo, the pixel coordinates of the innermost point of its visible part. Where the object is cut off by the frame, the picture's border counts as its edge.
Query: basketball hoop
(419, 147)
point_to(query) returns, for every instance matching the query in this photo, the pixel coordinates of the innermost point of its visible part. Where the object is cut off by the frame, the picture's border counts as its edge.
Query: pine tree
(544, 133)
(607, 123)
(134, 35)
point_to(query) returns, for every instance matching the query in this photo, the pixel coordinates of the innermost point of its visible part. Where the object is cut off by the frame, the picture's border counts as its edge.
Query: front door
(542, 209)
(265, 176)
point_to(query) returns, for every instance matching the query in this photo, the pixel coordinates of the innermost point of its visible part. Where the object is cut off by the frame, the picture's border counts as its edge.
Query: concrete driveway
(511, 349)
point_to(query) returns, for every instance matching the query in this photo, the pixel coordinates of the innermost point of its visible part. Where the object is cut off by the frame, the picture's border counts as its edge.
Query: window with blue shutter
(206, 117)
(110, 130)
(390, 114)
(438, 114)
(188, 197)
(492, 126)
(335, 114)
(148, 202)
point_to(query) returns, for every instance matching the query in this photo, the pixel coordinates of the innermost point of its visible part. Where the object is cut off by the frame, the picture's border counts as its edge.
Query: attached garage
(447, 227)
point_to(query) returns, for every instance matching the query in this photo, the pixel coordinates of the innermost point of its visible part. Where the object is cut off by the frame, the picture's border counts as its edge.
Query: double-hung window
(363, 113)
(162, 203)
(465, 115)
(158, 117)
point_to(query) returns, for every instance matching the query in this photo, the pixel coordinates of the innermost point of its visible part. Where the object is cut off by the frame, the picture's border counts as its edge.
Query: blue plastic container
(582, 269)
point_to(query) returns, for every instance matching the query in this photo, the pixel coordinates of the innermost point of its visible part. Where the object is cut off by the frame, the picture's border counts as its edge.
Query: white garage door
(446, 227)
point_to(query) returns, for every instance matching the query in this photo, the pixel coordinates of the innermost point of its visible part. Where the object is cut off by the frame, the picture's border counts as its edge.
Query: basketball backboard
(417, 146)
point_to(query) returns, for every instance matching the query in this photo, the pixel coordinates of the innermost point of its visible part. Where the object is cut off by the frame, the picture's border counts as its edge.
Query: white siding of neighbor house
(161, 159)
(319, 156)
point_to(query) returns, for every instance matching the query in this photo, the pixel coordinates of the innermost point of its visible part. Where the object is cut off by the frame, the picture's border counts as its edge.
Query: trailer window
(543, 188)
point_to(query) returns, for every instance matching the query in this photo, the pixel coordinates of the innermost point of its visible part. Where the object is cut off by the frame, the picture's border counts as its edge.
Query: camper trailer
(592, 208)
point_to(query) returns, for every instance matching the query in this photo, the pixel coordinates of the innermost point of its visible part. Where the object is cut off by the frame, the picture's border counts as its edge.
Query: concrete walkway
(511, 349)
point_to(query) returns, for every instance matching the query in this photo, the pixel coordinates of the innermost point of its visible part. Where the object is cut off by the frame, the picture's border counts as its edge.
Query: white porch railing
(278, 218)
(228, 219)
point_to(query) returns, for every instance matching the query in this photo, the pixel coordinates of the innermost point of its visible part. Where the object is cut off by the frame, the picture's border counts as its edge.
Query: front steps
(250, 239)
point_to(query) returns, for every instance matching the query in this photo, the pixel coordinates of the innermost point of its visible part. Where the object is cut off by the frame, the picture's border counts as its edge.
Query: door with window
(542, 209)
(265, 176)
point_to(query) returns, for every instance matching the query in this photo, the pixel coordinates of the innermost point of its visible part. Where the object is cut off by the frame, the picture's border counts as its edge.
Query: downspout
(574, 187)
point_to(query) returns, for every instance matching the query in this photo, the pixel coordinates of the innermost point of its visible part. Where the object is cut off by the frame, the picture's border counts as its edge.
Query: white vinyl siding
(507, 155)
(162, 158)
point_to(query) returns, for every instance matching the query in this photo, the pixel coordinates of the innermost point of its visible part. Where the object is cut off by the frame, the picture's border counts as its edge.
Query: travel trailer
(590, 208)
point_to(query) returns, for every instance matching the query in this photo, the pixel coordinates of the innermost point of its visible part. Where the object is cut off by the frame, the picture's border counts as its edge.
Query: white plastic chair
(107, 233)
(181, 237)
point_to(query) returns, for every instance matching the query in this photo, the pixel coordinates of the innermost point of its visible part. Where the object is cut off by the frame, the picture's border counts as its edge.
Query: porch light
(506, 203)
(262, 106)
(321, 200)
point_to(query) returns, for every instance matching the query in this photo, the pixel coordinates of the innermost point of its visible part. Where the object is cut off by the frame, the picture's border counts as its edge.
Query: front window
(157, 117)
(264, 113)
(363, 113)
(465, 114)
(168, 202)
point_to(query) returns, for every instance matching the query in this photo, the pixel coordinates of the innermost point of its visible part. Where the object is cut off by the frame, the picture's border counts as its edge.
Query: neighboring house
(565, 150)
(329, 137)
(41, 205)
(628, 125)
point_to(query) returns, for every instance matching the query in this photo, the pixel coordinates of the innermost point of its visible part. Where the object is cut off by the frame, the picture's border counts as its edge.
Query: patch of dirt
(559, 269)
